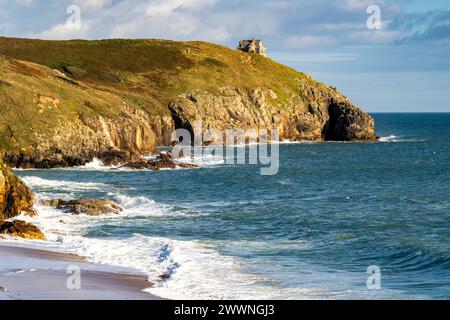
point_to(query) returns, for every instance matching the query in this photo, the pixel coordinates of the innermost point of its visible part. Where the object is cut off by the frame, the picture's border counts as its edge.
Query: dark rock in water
(188, 166)
(46, 160)
(348, 123)
(91, 207)
(15, 196)
(56, 158)
(19, 228)
(138, 165)
(115, 157)
(162, 161)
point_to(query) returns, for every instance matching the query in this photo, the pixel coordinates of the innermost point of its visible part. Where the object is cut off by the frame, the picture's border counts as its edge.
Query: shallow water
(225, 231)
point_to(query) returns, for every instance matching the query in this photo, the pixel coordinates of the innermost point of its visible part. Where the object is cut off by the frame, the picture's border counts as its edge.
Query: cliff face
(315, 114)
(49, 120)
(64, 102)
(15, 196)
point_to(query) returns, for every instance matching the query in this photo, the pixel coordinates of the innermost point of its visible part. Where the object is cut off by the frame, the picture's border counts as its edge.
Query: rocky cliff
(15, 196)
(64, 102)
(314, 114)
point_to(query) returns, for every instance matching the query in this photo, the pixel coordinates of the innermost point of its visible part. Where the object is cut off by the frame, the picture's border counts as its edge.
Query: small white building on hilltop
(253, 46)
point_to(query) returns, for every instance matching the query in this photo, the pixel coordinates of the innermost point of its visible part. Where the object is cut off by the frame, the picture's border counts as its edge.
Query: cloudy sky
(398, 63)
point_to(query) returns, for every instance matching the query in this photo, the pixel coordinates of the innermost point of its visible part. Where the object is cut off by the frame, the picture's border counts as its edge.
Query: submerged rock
(22, 229)
(91, 207)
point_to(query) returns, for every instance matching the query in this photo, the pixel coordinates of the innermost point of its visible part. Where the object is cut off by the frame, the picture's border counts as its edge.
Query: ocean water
(310, 232)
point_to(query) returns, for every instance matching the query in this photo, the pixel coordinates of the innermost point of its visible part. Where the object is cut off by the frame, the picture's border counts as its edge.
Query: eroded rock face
(15, 196)
(349, 124)
(314, 114)
(114, 141)
(91, 207)
(21, 229)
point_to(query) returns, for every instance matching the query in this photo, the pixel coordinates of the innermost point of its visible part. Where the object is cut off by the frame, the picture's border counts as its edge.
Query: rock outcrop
(317, 113)
(15, 196)
(21, 229)
(348, 123)
(162, 161)
(91, 207)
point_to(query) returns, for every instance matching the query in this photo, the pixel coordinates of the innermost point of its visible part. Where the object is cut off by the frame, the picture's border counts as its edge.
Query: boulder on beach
(91, 207)
(21, 229)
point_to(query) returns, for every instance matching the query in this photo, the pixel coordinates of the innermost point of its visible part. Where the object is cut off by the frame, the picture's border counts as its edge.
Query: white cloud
(278, 5)
(64, 32)
(359, 4)
(326, 27)
(280, 23)
(308, 41)
(92, 4)
(164, 8)
(19, 2)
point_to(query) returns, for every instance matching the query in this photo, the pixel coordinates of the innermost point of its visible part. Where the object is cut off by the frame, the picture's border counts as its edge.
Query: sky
(385, 55)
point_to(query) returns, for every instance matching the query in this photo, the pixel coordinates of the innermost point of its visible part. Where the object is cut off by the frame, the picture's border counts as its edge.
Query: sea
(339, 220)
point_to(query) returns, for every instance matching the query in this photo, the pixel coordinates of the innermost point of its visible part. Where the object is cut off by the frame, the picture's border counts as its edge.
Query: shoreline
(37, 274)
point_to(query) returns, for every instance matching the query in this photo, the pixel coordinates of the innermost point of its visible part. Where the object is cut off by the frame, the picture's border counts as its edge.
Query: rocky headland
(63, 103)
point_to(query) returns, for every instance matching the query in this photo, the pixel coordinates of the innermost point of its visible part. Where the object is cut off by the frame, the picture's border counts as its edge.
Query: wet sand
(33, 274)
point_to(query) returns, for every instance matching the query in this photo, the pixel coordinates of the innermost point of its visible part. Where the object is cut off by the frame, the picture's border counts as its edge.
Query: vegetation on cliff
(65, 102)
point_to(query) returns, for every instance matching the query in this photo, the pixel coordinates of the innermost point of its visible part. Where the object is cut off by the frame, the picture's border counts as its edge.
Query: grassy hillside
(35, 99)
(154, 71)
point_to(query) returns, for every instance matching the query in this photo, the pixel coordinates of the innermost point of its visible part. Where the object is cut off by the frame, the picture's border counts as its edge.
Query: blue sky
(404, 66)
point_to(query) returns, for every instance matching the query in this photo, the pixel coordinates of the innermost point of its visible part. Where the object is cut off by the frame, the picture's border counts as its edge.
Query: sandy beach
(33, 274)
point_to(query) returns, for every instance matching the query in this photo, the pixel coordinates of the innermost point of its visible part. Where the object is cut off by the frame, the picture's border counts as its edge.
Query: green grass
(159, 69)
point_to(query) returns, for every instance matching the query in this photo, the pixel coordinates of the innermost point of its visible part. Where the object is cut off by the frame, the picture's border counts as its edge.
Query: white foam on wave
(95, 164)
(390, 138)
(37, 182)
(204, 160)
(176, 269)
(394, 138)
(141, 206)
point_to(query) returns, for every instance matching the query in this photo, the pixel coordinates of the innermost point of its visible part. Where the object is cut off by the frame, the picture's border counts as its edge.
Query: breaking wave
(394, 138)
